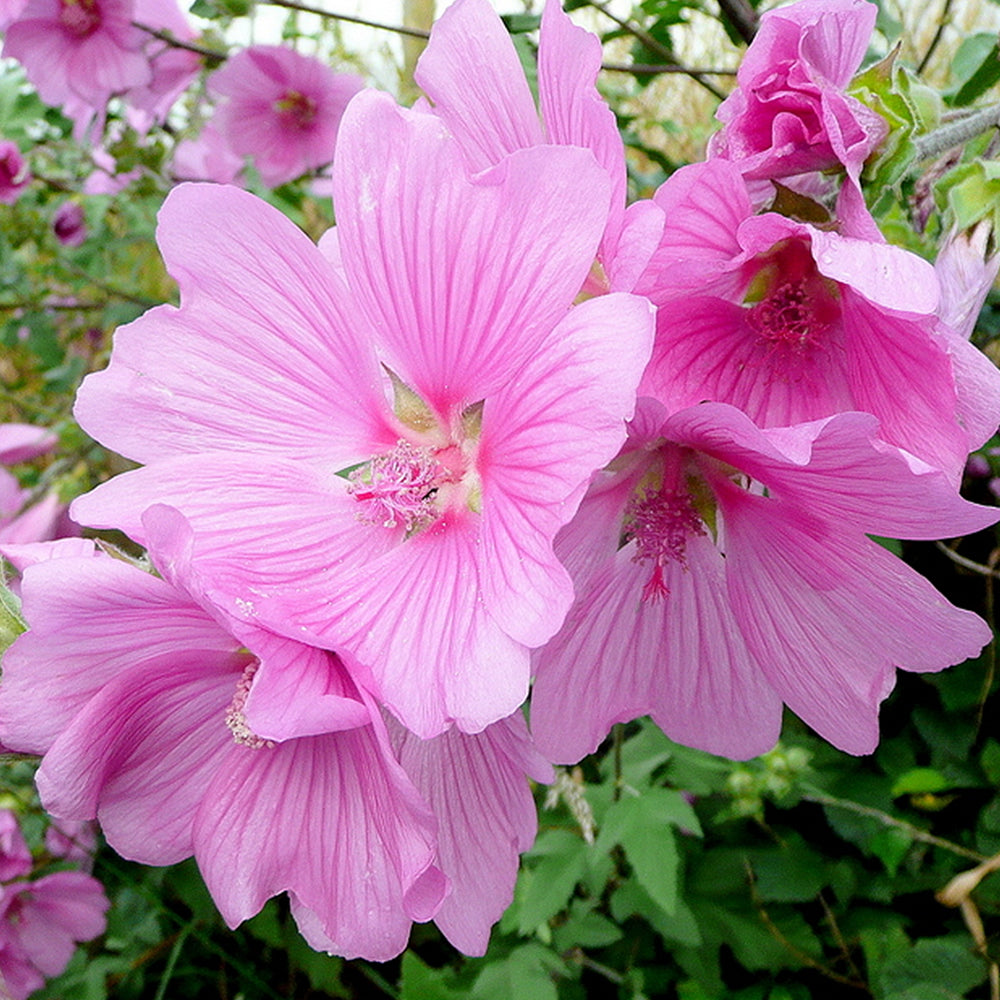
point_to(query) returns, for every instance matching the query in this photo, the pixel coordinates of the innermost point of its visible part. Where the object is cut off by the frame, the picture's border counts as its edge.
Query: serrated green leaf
(554, 866)
(420, 982)
(528, 971)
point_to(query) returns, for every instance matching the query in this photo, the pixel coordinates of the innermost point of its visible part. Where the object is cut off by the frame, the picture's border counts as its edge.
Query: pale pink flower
(136, 674)
(15, 856)
(282, 109)
(207, 157)
(77, 53)
(69, 224)
(14, 176)
(253, 753)
(376, 456)
(790, 112)
(471, 72)
(172, 68)
(723, 570)
(23, 517)
(791, 321)
(41, 923)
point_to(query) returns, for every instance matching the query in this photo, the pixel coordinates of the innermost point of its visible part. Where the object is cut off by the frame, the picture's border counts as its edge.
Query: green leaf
(989, 760)
(945, 963)
(585, 928)
(976, 67)
(919, 779)
(421, 982)
(630, 899)
(553, 867)
(641, 825)
(528, 971)
(790, 874)
(890, 846)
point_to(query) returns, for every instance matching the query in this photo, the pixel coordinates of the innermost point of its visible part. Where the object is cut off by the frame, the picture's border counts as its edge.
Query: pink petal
(472, 73)
(333, 821)
(266, 353)
(829, 617)
(477, 788)
(462, 277)
(91, 619)
(562, 418)
(140, 755)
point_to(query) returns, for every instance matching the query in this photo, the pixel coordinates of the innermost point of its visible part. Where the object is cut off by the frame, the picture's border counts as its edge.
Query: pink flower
(473, 75)
(40, 925)
(282, 109)
(789, 113)
(791, 321)
(14, 176)
(77, 53)
(69, 224)
(376, 456)
(294, 786)
(723, 570)
(24, 518)
(15, 857)
(172, 68)
(206, 158)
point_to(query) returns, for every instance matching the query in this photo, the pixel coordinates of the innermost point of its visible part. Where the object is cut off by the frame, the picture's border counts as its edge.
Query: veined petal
(92, 619)
(830, 615)
(555, 424)
(680, 658)
(331, 819)
(463, 277)
(837, 469)
(471, 72)
(418, 618)
(140, 754)
(266, 353)
(477, 787)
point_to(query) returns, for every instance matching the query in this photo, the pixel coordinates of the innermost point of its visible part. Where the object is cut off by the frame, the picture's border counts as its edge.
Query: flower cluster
(43, 918)
(497, 425)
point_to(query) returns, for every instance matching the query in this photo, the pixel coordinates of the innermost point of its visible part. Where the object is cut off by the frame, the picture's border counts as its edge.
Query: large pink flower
(282, 109)
(472, 74)
(723, 569)
(380, 464)
(78, 53)
(123, 683)
(265, 765)
(789, 113)
(792, 321)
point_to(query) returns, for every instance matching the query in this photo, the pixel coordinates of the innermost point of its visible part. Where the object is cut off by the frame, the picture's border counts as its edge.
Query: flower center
(791, 306)
(236, 720)
(399, 487)
(786, 318)
(296, 109)
(80, 17)
(660, 520)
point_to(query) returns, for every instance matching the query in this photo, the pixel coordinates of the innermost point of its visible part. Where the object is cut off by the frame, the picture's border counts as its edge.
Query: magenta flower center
(400, 487)
(786, 317)
(80, 17)
(296, 109)
(791, 306)
(660, 520)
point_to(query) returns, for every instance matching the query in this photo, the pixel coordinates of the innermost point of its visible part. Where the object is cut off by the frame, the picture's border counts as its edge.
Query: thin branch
(658, 48)
(581, 958)
(653, 69)
(987, 571)
(789, 946)
(742, 17)
(942, 24)
(916, 832)
(212, 55)
(398, 29)
(957, 133)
